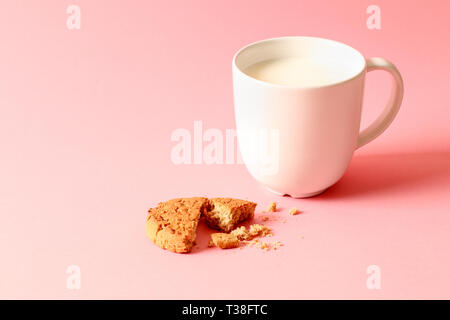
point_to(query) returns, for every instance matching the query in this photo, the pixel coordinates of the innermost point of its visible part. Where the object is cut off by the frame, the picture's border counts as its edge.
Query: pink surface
(85, 123)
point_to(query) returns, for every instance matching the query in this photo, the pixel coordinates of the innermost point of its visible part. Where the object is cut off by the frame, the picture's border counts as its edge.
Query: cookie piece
(226, 213)
(172, 225)
(225, 240)
(272, 207)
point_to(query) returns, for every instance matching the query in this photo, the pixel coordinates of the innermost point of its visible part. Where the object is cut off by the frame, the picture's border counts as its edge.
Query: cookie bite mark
(226, 213)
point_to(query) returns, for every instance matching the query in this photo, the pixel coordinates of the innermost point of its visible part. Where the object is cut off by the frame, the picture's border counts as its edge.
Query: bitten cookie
(172, 225)
(226, 213)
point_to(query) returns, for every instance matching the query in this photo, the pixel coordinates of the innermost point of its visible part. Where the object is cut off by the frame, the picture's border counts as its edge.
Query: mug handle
(390, 111)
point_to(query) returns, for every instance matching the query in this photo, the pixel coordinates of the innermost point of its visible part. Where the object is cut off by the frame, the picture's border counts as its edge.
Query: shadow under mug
(299, 140)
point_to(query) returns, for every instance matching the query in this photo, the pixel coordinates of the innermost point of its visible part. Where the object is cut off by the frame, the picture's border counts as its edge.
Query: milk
(297, 71)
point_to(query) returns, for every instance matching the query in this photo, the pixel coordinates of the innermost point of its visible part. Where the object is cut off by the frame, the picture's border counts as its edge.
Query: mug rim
(345, 80)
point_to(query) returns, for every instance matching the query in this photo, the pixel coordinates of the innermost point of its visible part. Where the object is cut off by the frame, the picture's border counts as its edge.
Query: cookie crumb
(259, 230)
(265, 219)
(272, 207)
(241, 233)
(264, 246)
(293, 211)
(244, 236)
(277, 244)
(254, 231)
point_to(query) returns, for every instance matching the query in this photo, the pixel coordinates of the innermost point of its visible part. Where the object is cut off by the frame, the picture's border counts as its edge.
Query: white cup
(305, 135)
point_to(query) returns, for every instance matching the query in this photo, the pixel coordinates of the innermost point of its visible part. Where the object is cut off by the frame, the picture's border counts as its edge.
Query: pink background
(85, 124)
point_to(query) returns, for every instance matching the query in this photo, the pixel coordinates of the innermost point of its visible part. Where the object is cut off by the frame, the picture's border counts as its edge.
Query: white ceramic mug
(316, 128)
